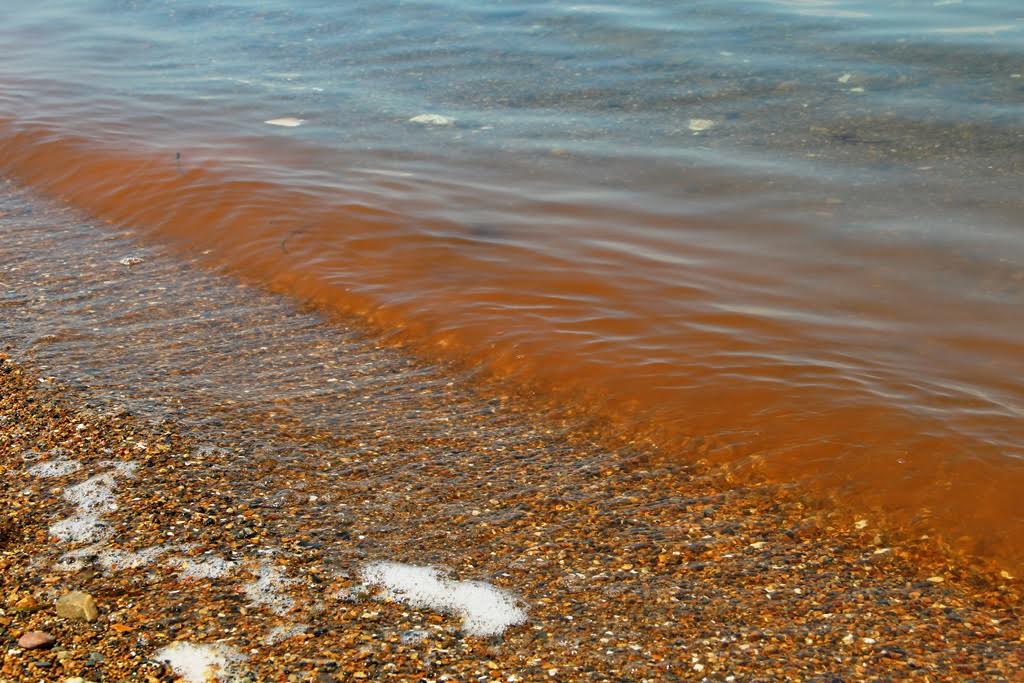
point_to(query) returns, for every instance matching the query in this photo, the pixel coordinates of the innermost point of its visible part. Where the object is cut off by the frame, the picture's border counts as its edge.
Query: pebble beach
(130, 552)
(435, 340)
(205, 481)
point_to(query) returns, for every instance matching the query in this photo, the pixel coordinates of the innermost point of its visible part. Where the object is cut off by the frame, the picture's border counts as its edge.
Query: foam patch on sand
(211, 567)
(93, 494)
(280, 633)
(81, 529)
(122, 468)
(92, 497)
(484, 609)
(108, 558)
(201, 663)
(78, 559)
(268, 589)
(210, 451)
(56, 467)
(126, 559)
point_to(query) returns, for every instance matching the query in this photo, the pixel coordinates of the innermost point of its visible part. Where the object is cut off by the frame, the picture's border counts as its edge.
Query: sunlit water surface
(787, 234)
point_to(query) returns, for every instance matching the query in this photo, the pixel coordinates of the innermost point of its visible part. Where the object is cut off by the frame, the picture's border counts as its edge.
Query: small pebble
(26, 604)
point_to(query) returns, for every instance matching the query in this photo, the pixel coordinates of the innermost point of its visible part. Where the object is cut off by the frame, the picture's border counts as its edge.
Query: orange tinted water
(867, 373)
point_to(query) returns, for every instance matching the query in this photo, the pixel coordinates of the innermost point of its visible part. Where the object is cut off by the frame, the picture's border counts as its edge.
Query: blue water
(607, 83)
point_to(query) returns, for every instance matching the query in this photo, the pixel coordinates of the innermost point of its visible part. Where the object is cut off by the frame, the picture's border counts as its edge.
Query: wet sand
(219, 467)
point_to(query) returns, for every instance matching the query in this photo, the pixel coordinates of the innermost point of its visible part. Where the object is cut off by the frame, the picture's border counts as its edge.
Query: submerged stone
(77, 605)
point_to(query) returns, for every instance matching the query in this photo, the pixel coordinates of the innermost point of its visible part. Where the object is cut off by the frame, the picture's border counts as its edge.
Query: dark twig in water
(284, 240)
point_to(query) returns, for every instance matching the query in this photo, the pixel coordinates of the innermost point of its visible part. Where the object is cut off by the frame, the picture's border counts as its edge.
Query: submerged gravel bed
(604, 568)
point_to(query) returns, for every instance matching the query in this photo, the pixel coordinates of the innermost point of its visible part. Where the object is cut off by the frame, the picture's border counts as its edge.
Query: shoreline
(246, 469)
(847, 413)
(623, 571)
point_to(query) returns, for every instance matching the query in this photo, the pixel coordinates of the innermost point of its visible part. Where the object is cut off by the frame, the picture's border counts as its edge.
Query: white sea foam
(81, 528)
(93, 494)
(76, 560)
(280, 633)
(268, 589)
(92, 497)
(484, 609)
(210, 451)
(121, 468)
(211, 567)
(126, 559)
(55, 467)
(201, 663)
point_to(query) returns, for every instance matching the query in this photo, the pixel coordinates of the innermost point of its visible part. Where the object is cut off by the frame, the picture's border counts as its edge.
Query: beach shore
(603, 568)
(248, 489)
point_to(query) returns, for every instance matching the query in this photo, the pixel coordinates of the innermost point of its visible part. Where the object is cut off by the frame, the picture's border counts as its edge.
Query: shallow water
(784, 234)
